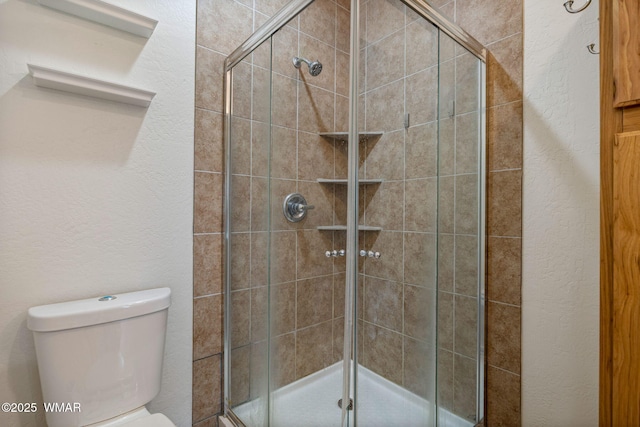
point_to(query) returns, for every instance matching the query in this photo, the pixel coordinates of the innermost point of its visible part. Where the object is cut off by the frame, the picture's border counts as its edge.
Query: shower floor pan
(313, 402)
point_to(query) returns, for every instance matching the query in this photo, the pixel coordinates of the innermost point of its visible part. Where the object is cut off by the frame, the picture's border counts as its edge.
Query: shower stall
(354, 219)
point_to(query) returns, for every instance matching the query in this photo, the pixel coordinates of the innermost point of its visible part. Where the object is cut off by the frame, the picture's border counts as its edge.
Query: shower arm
(315, 67)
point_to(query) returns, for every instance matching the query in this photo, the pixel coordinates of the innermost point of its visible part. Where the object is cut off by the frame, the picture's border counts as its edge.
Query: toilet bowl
(103, 357)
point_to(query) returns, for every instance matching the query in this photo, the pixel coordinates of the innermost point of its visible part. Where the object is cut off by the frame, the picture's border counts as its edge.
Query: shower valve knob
(301, 208)
(363, 252)
(342, 252)
(295, 207)
(327, 254)
(377, 255)
(334, 253)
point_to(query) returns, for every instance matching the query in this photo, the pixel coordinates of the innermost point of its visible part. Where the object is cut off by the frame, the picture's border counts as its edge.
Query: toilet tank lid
(94, 311)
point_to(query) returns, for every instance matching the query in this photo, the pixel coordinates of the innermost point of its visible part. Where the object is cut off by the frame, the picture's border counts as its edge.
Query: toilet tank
(104, 354)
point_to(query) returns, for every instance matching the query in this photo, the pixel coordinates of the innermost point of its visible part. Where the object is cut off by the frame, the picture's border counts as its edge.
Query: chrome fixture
(349, 408)
(370, 254)
(295, 207)
(315, 67)
(335, 253)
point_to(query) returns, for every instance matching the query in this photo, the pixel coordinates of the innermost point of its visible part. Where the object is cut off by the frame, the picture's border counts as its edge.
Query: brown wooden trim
(629, 103)
(626, 276)
(626, 60)
(610, 124)
(631, 119)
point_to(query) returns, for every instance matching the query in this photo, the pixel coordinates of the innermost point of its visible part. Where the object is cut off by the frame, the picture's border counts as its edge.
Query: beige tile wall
(498, 25)
(458, 244)
(404, 62)
(224, 24)
(398, 290)
(232, 22)
(302, 278)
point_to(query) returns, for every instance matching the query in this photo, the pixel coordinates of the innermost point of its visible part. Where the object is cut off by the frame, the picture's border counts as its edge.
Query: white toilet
(101, 358)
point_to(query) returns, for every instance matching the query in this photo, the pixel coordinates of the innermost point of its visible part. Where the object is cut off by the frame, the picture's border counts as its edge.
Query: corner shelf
(344, 228)
(345, 182)
(344, 136)
(106, 14)
(73, 83)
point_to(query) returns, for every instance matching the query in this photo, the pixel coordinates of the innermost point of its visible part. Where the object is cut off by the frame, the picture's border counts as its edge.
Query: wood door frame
(617, 117)
(610, 124)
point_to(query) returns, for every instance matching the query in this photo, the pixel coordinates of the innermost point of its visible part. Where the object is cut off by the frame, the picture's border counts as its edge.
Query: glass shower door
(419, 305)
(460, 291)
(354, 224)
(247, 336)
(305, 284)
(286, 209)
(396, 321)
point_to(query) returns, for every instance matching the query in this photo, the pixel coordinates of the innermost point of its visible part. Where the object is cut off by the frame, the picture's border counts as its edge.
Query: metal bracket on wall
(568, 5)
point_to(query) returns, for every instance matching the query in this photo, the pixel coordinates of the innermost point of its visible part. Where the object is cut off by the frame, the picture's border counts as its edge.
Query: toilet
(100, 359)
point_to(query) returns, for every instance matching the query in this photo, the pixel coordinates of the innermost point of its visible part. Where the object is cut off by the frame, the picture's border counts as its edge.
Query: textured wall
(95, 196)
(560, 217)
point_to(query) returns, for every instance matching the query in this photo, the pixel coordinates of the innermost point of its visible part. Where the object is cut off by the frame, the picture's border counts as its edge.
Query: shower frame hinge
(349, 408)
(407, 120)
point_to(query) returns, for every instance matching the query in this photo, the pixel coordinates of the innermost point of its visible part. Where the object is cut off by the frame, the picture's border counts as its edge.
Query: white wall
(560, 217)
(95, 197)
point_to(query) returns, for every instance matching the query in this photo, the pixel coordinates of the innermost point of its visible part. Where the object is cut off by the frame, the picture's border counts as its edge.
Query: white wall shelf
(106, 14)
(68, 82)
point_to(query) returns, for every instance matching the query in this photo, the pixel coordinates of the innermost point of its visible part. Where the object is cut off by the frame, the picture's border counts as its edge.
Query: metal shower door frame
(268, 29)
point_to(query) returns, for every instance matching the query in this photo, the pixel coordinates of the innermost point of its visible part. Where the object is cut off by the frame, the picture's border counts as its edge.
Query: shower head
(315, 67)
